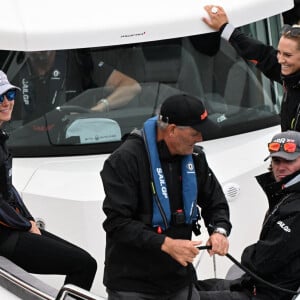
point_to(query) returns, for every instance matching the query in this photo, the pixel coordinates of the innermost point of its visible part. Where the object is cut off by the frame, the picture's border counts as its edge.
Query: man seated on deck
(275, 256)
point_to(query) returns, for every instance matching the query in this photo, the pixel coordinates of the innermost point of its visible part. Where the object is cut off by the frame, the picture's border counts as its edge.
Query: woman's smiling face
(6, 108)
(288, 55)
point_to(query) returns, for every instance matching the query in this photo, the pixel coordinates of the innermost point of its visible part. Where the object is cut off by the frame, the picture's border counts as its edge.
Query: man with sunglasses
(281, 65)
(275, 256)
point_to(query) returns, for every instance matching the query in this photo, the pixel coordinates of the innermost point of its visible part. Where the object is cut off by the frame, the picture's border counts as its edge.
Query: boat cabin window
(84, 101)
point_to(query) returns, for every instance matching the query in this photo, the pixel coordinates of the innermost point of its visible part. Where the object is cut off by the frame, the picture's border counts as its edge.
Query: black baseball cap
(187, 110)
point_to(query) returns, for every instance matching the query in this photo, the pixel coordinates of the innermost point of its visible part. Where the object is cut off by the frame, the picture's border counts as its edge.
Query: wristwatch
(221, 231)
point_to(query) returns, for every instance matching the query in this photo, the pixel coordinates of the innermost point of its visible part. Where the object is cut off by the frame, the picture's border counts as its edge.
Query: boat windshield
(84, 101)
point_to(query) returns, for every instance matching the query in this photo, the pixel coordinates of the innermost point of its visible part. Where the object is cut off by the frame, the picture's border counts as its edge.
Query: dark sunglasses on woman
(10, 95)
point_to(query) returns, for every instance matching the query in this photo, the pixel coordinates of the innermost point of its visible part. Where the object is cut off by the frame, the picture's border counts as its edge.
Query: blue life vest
(161, 202)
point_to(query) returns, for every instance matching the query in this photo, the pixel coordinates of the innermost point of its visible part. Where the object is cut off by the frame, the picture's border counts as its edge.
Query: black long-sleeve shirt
(265, 58)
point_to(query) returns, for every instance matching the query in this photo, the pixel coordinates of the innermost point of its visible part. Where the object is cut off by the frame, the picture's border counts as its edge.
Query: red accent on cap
(204, 115)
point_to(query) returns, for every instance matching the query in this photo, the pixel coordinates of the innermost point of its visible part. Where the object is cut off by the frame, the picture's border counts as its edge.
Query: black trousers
(49, 254)
(220, 289)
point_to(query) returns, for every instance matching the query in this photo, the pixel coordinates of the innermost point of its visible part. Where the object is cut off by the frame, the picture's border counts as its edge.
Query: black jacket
(265, 58)
(14, 215)
(292, 16)
(276, 255)
(134, 260)
(13, 212)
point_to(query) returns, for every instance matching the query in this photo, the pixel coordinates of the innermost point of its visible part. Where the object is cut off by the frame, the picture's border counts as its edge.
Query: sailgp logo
(25, 91)
(283, 226)
(162, 182)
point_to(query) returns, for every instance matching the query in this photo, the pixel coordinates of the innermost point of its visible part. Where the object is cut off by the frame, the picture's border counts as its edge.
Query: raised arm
(123, 90)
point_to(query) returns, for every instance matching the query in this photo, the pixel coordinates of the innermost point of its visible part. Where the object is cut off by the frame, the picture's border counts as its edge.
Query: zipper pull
(254, 290)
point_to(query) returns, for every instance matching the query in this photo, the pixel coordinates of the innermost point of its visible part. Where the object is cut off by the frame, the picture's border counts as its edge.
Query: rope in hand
(252, 274)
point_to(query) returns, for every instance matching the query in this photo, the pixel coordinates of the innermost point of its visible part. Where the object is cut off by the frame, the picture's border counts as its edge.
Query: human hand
(183, 251)
(219, 244)
(34, 229)
(98, 107)
(217, 19)
(101, 106)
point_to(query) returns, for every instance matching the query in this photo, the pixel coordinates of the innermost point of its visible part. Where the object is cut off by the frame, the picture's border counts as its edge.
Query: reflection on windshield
(95, 96)
(51, 78)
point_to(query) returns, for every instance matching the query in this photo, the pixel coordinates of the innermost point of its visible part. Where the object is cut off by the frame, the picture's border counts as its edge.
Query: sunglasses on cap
(288, 30)
(10, 96)
(288, 147)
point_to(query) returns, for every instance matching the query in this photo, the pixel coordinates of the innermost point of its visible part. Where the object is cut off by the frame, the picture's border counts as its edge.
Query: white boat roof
(29, 25)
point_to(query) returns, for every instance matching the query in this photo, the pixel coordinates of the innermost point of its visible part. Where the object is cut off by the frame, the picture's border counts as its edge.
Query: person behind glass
(281, 65)
(275, 256)
(21, 241)
(51, 78)
(153, 184)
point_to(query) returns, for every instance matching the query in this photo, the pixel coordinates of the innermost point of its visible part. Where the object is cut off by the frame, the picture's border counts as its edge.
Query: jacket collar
(291, 81)
(165, 154)
(276, 190)
(162, 148)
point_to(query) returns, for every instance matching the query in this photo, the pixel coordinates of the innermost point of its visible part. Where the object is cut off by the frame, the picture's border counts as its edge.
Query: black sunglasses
(10, 96)
(288, 30)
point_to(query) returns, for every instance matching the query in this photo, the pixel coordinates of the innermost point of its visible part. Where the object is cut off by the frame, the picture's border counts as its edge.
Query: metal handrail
(68, 289)
(25, 285)
(73, 290)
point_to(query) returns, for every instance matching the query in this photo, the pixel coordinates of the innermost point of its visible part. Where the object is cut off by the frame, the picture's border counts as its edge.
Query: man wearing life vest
(154, 184)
